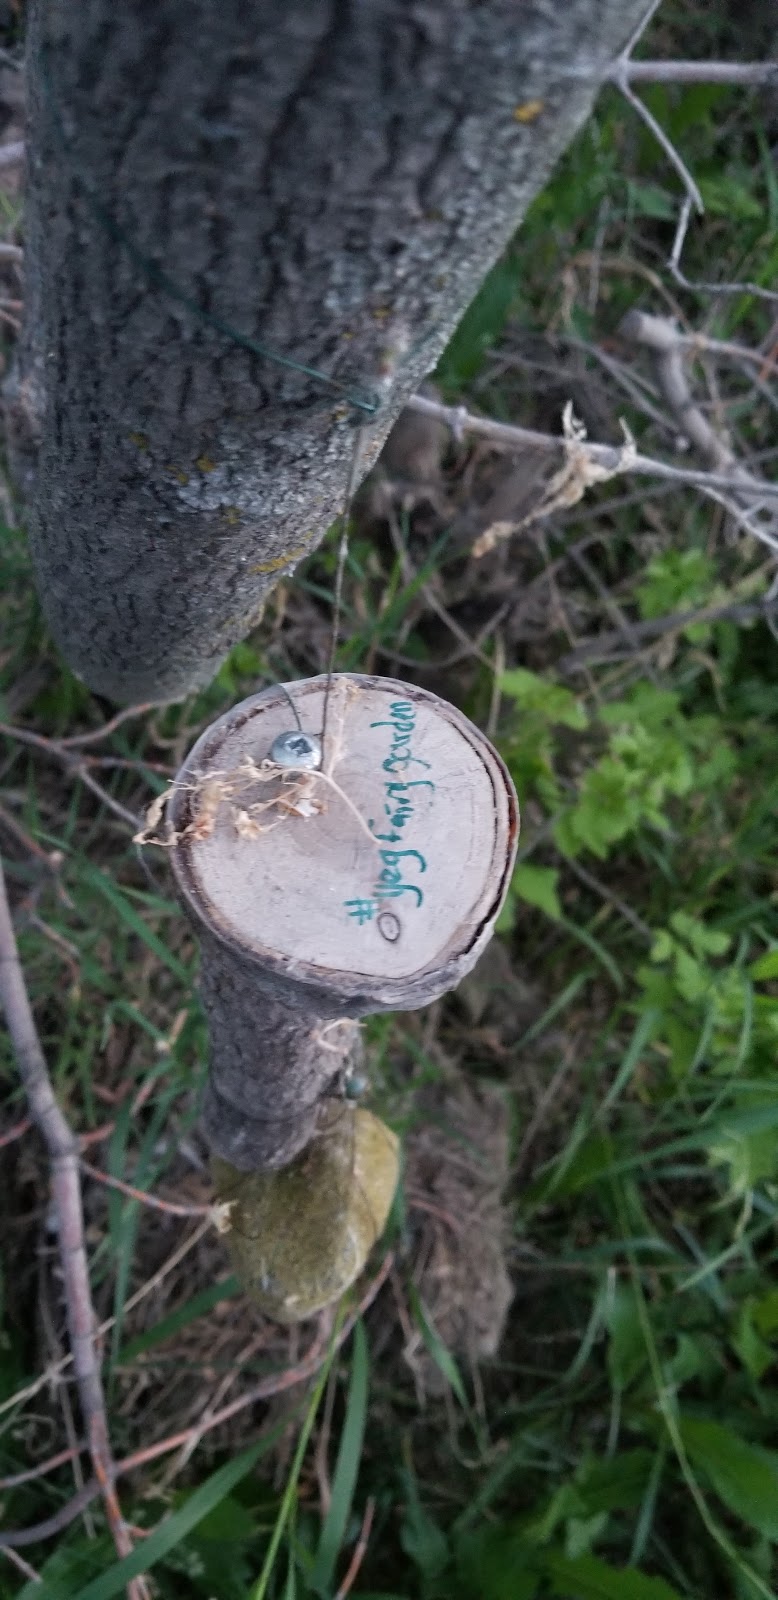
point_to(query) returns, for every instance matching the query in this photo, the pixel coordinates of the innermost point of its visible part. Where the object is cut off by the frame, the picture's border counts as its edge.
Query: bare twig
(96, 734)
(600, 649)
(11, 155)
(50, 859)
(23, 1566)
(620, 75)
(660, 336)
(55, 1368)
(625, 72)
(17, 1132)
(698, 285)
(172, 1207)
(360, 1550)
(741, 74)
(79, 770)
(75, 764)
(321, 1348)
(66, 1194)
(606, 455)
(700, 344)
(43, 1467)
(610, 898)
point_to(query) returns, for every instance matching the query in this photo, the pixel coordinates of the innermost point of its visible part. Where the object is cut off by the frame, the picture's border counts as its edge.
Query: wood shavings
(296, 797)
(221, 1215)
(579, 471)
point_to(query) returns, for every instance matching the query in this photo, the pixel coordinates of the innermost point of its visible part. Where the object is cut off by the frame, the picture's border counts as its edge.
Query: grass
(621, 1442)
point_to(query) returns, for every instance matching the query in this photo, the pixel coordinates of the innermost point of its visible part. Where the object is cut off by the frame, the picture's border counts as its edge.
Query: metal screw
(296, 749)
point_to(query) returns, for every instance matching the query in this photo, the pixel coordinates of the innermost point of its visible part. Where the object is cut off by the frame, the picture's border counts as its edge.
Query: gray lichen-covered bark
(276, 1051)
(329, 180)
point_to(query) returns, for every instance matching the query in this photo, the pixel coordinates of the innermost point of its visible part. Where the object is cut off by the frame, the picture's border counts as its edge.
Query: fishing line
(296, 714)
(337, 599)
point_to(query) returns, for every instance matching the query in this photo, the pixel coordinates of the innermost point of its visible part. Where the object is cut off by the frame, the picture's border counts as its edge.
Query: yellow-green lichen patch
(279, 561)
(299, 1237)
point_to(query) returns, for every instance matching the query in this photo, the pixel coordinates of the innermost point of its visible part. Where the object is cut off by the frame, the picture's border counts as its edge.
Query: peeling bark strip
(382, 899)
(332, 181)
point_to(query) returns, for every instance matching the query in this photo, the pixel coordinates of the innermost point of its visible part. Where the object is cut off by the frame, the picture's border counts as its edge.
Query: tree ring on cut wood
(377, 890)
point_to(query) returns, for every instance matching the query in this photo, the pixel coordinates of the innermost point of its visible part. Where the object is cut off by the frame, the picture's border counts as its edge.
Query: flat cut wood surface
(398, 875)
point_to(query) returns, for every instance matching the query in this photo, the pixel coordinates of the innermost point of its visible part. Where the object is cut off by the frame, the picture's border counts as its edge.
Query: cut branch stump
(320, 897)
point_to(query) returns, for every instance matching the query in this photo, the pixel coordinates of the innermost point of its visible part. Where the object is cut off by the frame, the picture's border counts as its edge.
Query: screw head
(296, 749)
(355, 1086)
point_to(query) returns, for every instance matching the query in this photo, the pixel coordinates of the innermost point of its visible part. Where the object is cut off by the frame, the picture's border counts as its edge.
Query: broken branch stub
(320, 897)
(371, 883)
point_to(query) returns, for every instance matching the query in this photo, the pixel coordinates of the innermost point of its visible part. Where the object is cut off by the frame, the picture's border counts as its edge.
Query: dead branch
(697, 284)
(740, 74)
(96, 734)
(620, 76)
(62, 1148)
(460, 420)
(265, 1389)
(360, 1550)
(613, 459)
(625, 72)
(74, 764)
(600, 649)
(171, 1207)
(661, 337)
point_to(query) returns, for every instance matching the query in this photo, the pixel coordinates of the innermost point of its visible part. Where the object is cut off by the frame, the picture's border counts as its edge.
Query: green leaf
(197, 1306)
(586, 1577)
(766, 1313)
(618, 1484)
(105, 886)
(175, 1528)
(533, 693)
(676, 580)
(627, 1345)
(751, 1156)
(648, 200)
(766, 967)
(538, 886)
(744, 1476)
(439, 1351)
(494, 1563)
(422, 1540)
(730, 196)
(346, 1467)
(481, 324)
(756, 1355)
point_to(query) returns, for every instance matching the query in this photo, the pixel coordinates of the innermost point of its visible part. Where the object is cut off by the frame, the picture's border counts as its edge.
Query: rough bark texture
(272, 1059)
(331, 179)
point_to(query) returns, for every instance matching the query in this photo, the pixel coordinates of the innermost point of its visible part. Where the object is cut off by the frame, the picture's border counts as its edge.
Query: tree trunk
(328, 181)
